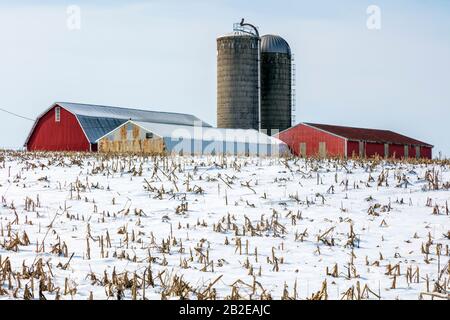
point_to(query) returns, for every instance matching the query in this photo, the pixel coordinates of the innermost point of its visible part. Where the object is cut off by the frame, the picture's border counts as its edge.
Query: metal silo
(238, 90)
(276, 84)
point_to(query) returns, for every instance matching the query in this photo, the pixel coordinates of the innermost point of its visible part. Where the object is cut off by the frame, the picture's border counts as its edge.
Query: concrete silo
(276, 84)
(238, 90)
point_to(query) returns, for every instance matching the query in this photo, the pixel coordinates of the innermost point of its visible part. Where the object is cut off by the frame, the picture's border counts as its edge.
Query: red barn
(69, 126)
(309, 140)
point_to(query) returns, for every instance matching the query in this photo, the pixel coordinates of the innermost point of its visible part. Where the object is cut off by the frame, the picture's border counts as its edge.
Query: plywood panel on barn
(322, 149)
(386, 150)
(361, 149)
(303, 149)
(406, 151)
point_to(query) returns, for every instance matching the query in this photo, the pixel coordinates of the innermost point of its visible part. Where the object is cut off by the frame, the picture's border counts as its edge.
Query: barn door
(406, 151)
(417, 152)
(322, 149)
(303, 149)
(361, 149)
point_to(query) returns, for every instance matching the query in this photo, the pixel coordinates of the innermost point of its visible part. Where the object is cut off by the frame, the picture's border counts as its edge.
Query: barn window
(57, 114)
(148, 135)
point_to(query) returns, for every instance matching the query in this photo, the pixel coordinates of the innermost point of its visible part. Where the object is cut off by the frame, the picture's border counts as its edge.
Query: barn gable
(305, 140)
(62, 134)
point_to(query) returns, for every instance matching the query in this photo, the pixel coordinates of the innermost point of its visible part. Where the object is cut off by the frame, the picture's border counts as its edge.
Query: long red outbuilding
(310, 140)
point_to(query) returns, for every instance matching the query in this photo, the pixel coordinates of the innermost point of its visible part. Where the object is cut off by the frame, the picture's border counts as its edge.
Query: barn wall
(65, 135)
(131, 138)
(373, 149)
(396, 151)
(198, 147)
(312, 137)
(301, 133)
(426, 152)
(150, 146)
(352, 149)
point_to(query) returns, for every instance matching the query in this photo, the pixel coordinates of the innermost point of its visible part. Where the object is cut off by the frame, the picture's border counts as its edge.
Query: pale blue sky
(161, 55)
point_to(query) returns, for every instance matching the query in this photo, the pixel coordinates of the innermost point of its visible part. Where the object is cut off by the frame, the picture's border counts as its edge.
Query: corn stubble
(112, 243)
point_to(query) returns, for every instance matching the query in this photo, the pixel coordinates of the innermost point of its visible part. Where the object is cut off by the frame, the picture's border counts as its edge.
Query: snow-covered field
(80, 227)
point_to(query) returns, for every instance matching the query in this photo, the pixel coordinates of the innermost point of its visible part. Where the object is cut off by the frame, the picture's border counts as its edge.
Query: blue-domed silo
(276, 84)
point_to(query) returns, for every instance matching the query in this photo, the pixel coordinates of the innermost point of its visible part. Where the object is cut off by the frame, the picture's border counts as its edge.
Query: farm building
(84, 127)
(309, 140)
(161, 138)
(77, 127)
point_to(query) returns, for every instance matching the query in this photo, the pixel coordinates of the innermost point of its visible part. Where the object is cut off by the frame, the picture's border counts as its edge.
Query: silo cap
(274, 44)
(236, 34)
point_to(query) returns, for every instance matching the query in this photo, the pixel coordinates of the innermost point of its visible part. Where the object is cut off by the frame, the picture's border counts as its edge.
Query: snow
(163, 215)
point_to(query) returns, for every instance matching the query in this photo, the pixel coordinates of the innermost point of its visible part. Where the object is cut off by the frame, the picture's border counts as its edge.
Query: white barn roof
(205, 133)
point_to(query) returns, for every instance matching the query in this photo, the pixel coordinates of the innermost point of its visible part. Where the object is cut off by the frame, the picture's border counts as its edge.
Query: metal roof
(274, 44)
(206, 133)
(97, 120)
(98, 111)
(370, 135)
(95, 127)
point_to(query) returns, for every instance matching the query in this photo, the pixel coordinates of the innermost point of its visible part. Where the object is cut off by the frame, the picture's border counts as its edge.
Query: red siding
(411, 152)
(65, 135)
(335, 145)
(426, 152)
(352, 149)
(311, 136)
(396, 151)
(371, 149)
(374, 149)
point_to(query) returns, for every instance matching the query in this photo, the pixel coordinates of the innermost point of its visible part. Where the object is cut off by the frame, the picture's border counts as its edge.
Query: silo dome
(274, 44)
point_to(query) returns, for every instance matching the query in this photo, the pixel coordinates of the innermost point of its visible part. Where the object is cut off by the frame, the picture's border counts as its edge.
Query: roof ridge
(341, 126)
(340, 130)
(123, 108)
